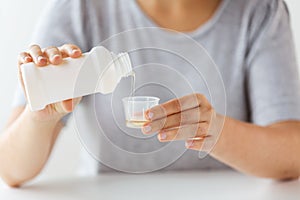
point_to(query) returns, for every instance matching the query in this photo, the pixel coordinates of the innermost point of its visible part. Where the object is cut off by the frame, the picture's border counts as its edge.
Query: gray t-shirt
(249, 41)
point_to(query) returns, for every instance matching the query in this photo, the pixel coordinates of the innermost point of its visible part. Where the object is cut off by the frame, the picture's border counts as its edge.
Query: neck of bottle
(122, 64)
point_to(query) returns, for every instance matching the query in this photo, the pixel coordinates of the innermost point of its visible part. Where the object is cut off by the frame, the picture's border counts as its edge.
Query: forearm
(262, 151)
(25, 147)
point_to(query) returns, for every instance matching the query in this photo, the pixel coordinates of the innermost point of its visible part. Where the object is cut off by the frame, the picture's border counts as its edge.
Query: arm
(270, 151)
(27, 141)
(24, 153)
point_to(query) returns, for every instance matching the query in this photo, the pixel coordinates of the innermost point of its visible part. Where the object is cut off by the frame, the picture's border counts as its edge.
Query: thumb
(67, 106)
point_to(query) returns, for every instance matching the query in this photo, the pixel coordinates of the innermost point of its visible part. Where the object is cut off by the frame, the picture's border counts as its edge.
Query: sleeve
(61, 22)
(272, 72)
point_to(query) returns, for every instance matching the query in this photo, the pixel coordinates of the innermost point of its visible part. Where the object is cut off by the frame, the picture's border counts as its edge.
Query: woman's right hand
(43, 57)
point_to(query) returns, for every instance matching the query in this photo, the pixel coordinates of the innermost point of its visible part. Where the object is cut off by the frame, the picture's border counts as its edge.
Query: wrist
(229, 126)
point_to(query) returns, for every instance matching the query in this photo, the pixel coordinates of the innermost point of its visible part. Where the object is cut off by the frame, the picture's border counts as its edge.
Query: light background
(17, 20)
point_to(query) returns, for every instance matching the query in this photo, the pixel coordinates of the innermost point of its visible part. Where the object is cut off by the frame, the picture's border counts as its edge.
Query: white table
(184, 185)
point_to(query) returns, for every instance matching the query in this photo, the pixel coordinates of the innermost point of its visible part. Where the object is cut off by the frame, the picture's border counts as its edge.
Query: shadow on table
(282, 190)
(81, 188)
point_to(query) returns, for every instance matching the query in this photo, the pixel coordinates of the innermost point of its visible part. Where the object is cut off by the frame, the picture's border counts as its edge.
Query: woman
(251, 43)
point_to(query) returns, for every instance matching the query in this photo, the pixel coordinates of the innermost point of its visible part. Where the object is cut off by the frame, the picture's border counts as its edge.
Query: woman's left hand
(190, 118)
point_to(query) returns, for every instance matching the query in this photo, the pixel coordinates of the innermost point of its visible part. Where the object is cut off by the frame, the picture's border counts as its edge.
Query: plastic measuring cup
(135, 108)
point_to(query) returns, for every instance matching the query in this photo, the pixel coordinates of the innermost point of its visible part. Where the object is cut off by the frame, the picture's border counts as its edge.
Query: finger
(176, 106)
(69, 105)
(54, 55)
(70, 50)
(198, 130)
(24, 57)
(37, 55)
(194, 144)
(57, 107)
(192, 116)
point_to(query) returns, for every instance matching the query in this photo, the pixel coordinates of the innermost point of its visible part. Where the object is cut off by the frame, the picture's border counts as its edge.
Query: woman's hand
(190, 118)
(43, 57)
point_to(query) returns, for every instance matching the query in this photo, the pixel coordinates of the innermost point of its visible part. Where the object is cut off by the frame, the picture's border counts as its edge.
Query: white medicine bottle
(98, 71)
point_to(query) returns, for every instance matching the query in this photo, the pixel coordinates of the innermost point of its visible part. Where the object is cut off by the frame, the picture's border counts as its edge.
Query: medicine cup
(135, 108)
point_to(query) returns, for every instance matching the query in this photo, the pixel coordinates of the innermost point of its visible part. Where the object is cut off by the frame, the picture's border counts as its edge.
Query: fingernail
(162, 136)
(27, 59)
(150, 115)
(55, 57)
(41, 59)
(189, 143)
(147, 128)
(75, 51)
